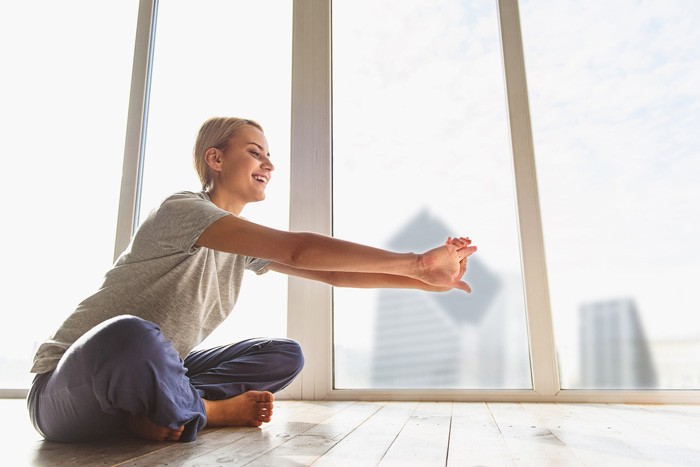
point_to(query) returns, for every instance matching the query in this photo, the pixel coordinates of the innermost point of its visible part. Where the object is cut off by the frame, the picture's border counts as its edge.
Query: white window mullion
(542, 351)
(310, 303)
(136, 125)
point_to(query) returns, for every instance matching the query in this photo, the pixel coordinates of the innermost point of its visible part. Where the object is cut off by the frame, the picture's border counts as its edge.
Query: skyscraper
(614, 351)
(451, 339)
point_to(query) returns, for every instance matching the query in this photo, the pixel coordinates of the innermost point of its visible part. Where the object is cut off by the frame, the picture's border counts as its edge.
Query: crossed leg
(104, 382)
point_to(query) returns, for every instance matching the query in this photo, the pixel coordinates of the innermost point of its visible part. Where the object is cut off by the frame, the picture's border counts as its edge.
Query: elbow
(295, 257)
(298, 253)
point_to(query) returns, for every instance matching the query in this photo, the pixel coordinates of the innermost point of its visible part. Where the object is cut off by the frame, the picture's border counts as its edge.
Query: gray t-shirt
(165, 278)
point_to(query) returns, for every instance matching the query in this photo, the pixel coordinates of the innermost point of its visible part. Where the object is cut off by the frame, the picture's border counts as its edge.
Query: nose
(267, 164)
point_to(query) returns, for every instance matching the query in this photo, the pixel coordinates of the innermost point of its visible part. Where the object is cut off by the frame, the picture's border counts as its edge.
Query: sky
(419, 123)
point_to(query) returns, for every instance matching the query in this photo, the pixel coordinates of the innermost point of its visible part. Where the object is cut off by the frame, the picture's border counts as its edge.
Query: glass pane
(421, 152)
(615, 109)
(65, 95)
(223, 58)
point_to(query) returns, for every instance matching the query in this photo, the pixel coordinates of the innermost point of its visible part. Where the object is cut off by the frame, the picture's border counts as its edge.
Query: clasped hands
(445, 266)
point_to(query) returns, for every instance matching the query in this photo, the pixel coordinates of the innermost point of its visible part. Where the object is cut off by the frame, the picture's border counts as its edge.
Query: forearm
(356, 265)
(322, 253)
(383, 281)
(357, 279)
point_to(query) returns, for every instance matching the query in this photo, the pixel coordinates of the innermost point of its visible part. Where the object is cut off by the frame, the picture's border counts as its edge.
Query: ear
(213, 157)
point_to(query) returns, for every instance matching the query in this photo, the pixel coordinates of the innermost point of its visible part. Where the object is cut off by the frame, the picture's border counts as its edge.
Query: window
(617, 162)
(421, 152)
(64, 107)
(223, 58)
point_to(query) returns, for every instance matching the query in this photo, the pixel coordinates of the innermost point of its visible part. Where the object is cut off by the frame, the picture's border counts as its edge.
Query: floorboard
(590, 437)
(530, 442)
(424, 439)
(475, 438)
(367, 444)
(355, 434)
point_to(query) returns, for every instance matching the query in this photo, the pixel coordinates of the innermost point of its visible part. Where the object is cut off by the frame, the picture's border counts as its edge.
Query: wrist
(418, 267)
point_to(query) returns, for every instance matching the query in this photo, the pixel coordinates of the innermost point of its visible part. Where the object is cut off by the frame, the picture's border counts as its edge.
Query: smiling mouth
(260, 179)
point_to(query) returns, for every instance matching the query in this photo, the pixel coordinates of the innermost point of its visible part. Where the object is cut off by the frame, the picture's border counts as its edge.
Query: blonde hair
(215, 133)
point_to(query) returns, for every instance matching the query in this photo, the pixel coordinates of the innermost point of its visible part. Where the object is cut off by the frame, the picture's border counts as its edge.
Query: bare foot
(142, 427)
(252, 408)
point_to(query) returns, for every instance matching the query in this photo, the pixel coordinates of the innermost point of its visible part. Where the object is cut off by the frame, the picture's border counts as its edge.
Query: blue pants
(126, 366)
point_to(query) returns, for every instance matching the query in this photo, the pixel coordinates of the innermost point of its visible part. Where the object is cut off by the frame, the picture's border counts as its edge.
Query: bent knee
(127, 325)
(128, 332)
(293, 354)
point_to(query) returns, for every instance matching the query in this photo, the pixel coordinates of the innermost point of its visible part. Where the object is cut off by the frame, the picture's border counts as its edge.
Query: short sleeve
(181, 219)
(257, 265)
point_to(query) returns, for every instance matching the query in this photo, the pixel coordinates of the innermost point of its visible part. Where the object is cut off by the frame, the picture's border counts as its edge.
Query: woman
(124, 358)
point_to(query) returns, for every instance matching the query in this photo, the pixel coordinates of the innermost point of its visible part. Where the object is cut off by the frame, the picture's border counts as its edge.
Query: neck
(225, 201)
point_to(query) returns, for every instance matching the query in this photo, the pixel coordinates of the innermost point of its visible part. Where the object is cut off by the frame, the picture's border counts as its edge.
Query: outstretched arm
(365, 280)
(314, 252)
(376, 280)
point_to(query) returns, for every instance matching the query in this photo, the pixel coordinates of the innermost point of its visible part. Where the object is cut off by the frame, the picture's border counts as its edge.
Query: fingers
(462, 245)
(464, 248)
(459, 241)
(465, 252)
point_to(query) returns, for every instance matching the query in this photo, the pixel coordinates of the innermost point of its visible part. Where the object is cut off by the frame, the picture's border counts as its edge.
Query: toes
(265, 405)
(174, 435)
(264, 414)
(265, 396)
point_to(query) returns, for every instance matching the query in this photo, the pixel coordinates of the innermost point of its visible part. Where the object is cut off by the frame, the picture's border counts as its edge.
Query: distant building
(418, 344)
(449, 340)
(614, 351)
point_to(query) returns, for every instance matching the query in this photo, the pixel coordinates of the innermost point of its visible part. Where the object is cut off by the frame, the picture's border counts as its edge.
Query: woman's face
(246, 168)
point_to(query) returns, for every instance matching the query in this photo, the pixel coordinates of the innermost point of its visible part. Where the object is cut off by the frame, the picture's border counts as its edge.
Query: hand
(458, 282)
(444, 266)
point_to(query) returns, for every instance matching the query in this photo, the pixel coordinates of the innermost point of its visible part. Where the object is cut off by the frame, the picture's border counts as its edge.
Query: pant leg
(122, 366)
(254, 364)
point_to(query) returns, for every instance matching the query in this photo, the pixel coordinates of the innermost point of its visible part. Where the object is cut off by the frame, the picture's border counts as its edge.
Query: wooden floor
(399, 434)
